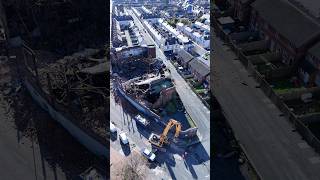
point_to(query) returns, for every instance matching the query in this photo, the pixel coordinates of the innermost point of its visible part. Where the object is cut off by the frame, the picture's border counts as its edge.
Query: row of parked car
(125, 141)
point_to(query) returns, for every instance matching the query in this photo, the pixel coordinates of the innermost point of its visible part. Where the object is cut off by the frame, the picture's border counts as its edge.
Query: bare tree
(134, 168)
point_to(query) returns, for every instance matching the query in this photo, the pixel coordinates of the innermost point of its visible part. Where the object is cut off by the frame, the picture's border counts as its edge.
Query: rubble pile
(80, 83)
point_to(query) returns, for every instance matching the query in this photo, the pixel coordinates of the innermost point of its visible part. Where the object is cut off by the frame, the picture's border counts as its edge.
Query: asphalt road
(19, 157)
(276, 151)
(197, 165)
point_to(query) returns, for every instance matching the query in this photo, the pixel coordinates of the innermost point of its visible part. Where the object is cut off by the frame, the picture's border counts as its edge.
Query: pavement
(197, 164)
(269, 140)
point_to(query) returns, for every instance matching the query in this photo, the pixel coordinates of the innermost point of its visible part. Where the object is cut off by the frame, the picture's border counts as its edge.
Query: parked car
(113, 128)
(148, 154)
(141, 120)
(123, 138)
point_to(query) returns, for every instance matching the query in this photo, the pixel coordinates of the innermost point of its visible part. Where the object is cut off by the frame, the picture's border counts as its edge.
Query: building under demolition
(74, 90)
(147, 85)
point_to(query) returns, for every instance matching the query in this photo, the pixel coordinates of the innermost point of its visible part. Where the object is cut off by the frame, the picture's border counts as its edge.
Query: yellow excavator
(160, 140)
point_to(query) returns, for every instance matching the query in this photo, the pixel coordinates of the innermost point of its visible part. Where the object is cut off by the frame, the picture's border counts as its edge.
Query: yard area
(200, 90)
(175, 110)
(302, 108)
(282, 86)
(264, 68)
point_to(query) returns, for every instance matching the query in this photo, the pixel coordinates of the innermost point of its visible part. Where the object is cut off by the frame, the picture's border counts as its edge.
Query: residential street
(196, 109)
(270, 142)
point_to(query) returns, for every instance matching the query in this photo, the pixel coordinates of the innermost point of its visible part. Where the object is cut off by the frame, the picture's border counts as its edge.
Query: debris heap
(80, 84)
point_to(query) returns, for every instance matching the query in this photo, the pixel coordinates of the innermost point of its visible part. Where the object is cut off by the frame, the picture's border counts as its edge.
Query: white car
(141, 120)
(148, 154)
(113, 128)
(123, 138)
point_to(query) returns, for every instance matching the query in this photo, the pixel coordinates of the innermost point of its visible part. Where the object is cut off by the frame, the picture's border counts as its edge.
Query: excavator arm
(163, 137)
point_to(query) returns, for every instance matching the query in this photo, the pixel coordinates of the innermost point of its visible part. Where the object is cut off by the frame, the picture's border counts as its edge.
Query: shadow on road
(113, 136)
(171, 171)
(125, 149)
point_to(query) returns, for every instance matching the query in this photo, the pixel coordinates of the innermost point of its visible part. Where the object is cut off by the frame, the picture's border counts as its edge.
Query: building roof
(124, 18)
(226, 20)
(171, 41)
(199, 67)
(206, 27)
(184, 55)
(287, 20)
(197, 34)
(315, 50)
(198, 23)
(188, 29)
(198, 50)
(205, 16)
(180, 24)
(150, 16)
(312, 6)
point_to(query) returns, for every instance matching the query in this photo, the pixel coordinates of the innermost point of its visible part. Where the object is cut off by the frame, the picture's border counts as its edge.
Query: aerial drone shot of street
(159, 101)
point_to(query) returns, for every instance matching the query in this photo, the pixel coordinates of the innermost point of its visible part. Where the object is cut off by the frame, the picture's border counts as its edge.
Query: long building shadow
(224, 163)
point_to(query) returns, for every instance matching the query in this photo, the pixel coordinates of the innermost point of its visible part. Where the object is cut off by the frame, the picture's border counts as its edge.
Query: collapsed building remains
(75, 92)
(79, 82)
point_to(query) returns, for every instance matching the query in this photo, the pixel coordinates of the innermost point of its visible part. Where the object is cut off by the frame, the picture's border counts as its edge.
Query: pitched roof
(198, 50)
(199, 67)
(294, 25)
(184, 55)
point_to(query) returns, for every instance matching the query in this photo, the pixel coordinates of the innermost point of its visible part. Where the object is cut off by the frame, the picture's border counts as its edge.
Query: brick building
(289, 31)
(183, 58)
(200, 71)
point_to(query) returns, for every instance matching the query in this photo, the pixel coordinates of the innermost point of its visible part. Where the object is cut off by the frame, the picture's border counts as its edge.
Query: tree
(134, 168)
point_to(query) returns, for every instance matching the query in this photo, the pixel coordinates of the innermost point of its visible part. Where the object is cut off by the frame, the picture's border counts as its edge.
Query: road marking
(314, 160)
